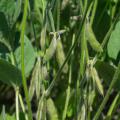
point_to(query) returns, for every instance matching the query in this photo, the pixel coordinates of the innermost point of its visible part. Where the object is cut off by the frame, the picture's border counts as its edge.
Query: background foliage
(59, 59)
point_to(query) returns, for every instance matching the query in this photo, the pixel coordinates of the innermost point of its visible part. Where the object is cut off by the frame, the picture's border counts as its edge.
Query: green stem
(22, 59)
(58, 15)
(115, 78)
(83, 46)
(113, 105)
(51, 20)
(69, 83)
(43, 8)
(113, 10)
(67, 97)
(93, 12)
(17, 103)
(81, 6)
(23, 107)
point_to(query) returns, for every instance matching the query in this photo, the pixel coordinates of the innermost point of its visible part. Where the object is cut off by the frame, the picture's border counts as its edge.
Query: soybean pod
(92, 39)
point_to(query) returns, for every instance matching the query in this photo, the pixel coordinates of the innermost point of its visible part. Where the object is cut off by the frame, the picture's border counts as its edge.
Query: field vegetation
(59, 59)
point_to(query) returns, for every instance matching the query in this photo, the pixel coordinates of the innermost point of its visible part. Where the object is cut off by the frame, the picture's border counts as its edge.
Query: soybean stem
(24, 82)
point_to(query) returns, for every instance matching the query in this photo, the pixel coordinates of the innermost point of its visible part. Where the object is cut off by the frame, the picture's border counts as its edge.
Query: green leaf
(29, 56)
(8, 117)
(11, 9)
(9, 74)
(106, 72)
(114, 42)
(4, 31)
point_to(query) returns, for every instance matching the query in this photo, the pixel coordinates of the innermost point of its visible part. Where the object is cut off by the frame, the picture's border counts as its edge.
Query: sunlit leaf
(29, 56)
(114, 42)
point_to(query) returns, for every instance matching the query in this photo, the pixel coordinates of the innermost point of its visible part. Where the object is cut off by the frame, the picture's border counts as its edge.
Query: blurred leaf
(39, 3)
(114, 42)
(70, 110)
(9, 74)
(8, 117)
(21, 116)
(11, 9)
(106, 72)
(52, 110)
(101, 20)
(4, 31)
(3, 115)
(29, 56)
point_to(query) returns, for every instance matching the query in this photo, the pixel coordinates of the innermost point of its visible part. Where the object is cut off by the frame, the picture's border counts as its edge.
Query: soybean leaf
(113, 47)
(8, 117)
(106, 72)
(9, 74)
(11, 9)
(29, 56)
(4, 31)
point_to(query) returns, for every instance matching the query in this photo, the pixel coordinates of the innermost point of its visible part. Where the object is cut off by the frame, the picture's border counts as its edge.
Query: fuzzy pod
(32, 82)
(97, 81)
(61, 56)
(92, 39)
(52, 110)
(52, 48)
(43, 35)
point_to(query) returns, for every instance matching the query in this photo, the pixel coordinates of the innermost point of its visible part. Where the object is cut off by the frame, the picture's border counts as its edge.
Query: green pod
(52, 48)
(97, 81)
(43, 35)
(32, 82)
(61, 56)
(92, 39)
(51, 110)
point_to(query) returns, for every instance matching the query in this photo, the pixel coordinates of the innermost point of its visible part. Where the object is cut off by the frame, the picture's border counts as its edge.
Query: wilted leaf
(114, 42)
(9, 74)
(29, 56)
